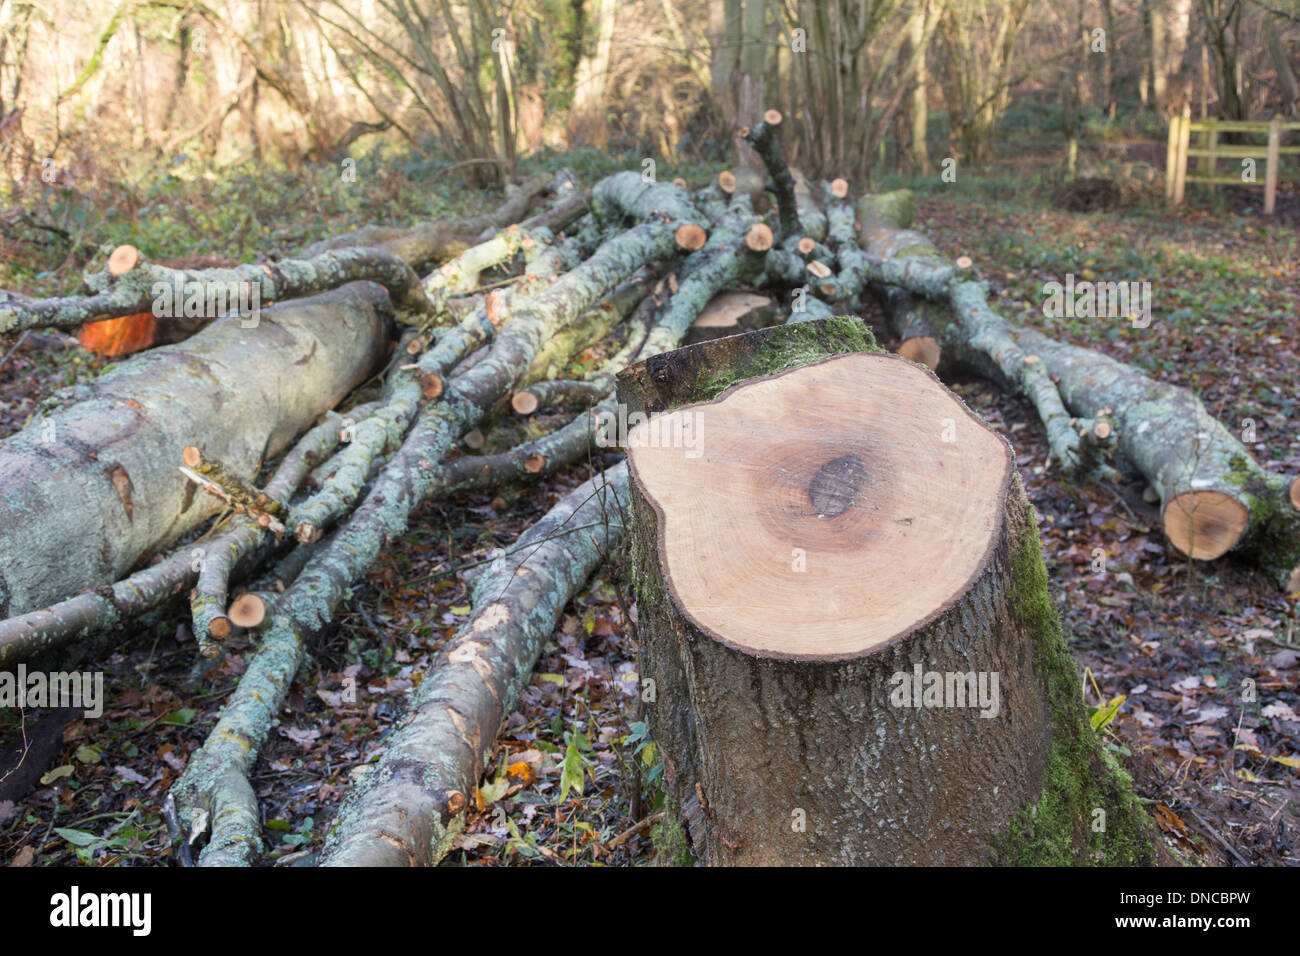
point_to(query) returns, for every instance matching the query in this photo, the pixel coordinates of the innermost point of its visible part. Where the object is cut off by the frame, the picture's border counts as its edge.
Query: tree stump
(847, 645)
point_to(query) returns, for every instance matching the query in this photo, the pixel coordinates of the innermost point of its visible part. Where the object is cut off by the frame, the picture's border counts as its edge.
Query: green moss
(1081, 776)
(669, 838)
(645, 579)
(920, 249)
(1239, 471)
(894, 210)
(790, 346)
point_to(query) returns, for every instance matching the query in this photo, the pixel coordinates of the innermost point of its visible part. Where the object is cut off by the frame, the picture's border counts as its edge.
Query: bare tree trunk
(1223, 26)
(1176, 16)
(753, 70)
(919, 107)
(726, 32)
(979, 57)
(587, 120)
(1286, 80)
(1157, 49)
(1107, 90)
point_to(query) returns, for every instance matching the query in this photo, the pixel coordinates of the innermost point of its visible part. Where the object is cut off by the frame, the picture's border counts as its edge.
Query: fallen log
(859, 662)
(625, 197)
(460, 276)
(35, 632)
(1214, 496)
(884, 219)
(90, 488)
(433, 242)
(409, 806)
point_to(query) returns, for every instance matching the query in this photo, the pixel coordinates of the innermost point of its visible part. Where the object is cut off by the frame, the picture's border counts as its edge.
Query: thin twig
(634, 829)
(9, 354)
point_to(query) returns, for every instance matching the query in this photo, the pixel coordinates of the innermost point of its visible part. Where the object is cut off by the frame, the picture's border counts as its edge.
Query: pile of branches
(463, 391)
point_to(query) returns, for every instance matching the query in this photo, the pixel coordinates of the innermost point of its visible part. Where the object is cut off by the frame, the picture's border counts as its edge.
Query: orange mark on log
(114, 337)
(399, 844)
(122, 485)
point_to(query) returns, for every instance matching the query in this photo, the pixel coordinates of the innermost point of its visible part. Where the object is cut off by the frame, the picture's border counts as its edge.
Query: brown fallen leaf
(24, 857)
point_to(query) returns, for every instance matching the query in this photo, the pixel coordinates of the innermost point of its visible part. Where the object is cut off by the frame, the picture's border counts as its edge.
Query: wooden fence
(1210, 150)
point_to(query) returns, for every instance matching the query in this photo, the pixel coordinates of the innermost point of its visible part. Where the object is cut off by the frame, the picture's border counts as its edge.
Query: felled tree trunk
(884, 221)
(89, 488)
(858, 663)
(1214, 496)
(986, 337)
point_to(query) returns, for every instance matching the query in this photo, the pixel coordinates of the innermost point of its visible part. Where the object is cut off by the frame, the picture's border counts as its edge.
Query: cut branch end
(759, 238)
(690, 237)
(123, 259)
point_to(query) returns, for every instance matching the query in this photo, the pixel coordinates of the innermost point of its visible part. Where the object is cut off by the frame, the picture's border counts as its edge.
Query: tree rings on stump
(842, 463)
(833, 565)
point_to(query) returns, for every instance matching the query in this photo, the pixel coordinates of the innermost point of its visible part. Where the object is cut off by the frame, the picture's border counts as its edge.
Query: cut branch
(410, 806)
(1214, 496)
(35, 632)
(766, 140)
(167, 293)
(215, 784)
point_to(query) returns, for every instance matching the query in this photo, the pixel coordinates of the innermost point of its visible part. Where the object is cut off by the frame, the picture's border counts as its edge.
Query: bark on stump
(884, 537)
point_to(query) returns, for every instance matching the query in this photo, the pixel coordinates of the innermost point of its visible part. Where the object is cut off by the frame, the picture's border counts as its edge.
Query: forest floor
(1219, 770)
